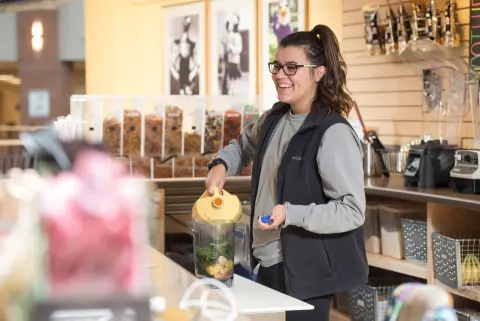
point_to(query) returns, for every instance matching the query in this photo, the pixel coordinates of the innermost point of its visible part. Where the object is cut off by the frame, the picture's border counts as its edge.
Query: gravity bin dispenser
(449, 93)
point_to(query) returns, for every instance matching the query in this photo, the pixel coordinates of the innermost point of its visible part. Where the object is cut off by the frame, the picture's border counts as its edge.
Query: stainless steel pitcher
(371, 161)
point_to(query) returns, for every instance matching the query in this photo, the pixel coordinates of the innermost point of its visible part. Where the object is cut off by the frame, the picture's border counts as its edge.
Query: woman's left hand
(277, 218)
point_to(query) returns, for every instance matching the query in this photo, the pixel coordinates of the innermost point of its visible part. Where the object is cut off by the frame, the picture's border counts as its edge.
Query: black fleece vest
(314, 264)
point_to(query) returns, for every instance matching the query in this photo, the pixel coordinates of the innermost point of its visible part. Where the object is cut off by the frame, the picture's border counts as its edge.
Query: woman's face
(301, 86)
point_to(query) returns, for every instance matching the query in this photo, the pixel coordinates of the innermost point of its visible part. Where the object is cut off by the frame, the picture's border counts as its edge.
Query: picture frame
(279, 18)
(233, 43)
(184, 55)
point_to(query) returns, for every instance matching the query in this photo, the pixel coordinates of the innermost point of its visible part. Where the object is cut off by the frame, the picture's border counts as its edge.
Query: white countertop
(254, 298)
(170, 281)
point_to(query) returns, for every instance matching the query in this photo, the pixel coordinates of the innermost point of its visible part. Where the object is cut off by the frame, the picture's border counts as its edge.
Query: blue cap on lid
(265, 219)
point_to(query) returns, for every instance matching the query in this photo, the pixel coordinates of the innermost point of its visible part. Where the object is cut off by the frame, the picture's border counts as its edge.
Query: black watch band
(215, 162)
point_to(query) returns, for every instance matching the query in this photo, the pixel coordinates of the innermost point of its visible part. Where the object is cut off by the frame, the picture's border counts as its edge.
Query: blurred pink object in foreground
(89, 225)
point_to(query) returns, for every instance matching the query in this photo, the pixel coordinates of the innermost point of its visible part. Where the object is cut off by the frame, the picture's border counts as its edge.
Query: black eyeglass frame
(282, 67)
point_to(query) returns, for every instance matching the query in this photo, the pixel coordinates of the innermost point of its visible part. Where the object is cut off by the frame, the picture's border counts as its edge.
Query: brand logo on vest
(296, 158)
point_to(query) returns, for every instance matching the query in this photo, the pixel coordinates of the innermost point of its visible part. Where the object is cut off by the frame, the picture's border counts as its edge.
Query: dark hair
(322, 48)
(235, 25)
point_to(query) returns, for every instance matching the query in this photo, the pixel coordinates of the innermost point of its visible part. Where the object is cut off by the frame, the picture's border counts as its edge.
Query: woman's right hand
(216, 178)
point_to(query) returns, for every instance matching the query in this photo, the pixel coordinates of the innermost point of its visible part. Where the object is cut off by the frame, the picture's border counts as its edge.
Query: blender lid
(218, 208)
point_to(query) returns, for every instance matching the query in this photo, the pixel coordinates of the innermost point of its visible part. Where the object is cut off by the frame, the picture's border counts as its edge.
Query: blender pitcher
(214, 220)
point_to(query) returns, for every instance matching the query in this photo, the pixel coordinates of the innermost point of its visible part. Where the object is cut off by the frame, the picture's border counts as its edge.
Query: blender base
(227, 282)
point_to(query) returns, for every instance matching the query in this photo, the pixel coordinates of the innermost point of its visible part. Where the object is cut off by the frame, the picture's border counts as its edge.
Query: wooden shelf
(471, 293)
(416, 269)
(336, 315)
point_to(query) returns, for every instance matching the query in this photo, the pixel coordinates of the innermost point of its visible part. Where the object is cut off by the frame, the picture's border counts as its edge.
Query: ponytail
(332, 86)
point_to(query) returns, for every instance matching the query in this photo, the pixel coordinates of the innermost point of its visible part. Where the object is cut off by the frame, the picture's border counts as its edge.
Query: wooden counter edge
(459, 200)
(418, 196)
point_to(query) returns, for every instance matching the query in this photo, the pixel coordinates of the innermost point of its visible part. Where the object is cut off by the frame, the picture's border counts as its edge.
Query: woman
(184, 68)
(233, 46)
(308, 173)
(234, 49)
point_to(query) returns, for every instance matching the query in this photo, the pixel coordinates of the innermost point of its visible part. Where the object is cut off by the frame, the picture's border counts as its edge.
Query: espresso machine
(465, 176)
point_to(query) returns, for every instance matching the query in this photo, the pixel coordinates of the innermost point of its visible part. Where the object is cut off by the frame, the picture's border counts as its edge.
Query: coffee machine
(429, 164)
(465, 175)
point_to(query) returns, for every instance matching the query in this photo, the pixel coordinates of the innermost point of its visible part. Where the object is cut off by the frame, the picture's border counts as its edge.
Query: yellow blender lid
(221, 208)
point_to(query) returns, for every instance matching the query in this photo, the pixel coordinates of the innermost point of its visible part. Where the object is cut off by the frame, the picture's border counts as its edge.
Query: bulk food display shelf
(163, 137)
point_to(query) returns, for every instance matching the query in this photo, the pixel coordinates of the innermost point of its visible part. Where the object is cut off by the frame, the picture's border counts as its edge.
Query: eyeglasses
(288, 69)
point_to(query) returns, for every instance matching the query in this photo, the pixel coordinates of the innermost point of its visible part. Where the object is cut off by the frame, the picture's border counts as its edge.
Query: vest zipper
(252, 218)
(287, 281)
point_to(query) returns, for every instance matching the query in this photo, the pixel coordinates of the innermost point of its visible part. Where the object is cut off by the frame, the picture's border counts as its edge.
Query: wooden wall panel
(388, 90)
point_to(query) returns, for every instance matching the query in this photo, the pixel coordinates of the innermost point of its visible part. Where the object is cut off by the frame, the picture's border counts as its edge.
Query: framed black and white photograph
(279, 19)
(232, 47)
(185, 49)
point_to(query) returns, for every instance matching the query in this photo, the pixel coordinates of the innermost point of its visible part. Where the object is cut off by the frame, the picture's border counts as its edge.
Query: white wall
(8, 37)
(71, 33)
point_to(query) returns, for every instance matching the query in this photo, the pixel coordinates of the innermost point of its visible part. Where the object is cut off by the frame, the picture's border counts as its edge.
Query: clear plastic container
(192, 141)
(163, 168)
(154, 127)
(201, 165)
(183, 172)
(125, 161)
(213, 131)
(132, 132)
(200, 172)
(250, 113)
(230, 110)
(112, 133)
(193, 125)
(232, 124)
(116, 120)
(141, 167)
(214, 251)
(88, 114)
(203, 160)
(214, 218)
(183, 166)
(173, 130)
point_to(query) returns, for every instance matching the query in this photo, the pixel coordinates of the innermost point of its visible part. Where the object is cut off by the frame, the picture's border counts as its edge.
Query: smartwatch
(217, 161)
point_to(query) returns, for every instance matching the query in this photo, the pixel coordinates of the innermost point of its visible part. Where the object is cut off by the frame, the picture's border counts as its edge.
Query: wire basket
(467, 315)
(466, 310)
(369, 302)
(414, 239)
(456, 258)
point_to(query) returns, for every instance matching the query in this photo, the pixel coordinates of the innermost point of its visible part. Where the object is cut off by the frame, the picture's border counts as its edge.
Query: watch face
(216, 162)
